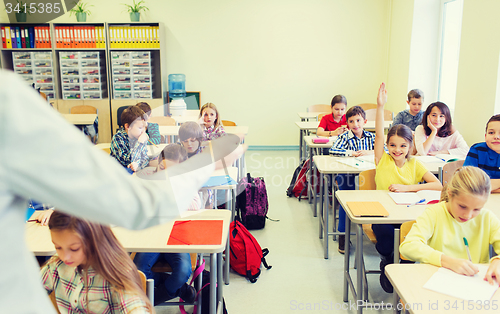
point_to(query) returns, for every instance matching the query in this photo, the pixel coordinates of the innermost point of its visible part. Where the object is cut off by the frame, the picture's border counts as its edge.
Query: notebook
(367, 209)
(196, 232)
(459, 286)
(355, 162)
(413, 198)
(218, 181)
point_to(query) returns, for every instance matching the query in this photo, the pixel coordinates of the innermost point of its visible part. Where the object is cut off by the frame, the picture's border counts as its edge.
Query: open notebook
(412, 198)
(463, 287)
(362, 162)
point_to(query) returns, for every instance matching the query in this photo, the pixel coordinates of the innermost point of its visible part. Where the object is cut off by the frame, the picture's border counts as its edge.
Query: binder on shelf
(23, 39)
(18, 37)
(8, 39)
(13, 37)
(27, 37)
(46, 31)
(37, 37)
(4, 39)
(32, 37)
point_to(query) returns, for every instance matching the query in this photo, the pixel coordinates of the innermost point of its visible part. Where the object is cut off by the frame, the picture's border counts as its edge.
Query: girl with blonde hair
(437, 237)
(210, 122)
(91, 272)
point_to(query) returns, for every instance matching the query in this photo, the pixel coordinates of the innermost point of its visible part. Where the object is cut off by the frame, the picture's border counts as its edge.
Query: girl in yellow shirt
(437, 236)
(396, 172)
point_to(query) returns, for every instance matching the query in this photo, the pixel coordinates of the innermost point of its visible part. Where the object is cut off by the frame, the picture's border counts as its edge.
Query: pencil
(152, 143)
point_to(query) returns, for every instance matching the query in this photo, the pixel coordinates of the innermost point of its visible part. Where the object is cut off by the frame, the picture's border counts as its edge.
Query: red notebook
(196, 232)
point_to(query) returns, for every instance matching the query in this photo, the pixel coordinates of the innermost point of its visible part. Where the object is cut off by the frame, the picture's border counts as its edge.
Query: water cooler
(177, 91)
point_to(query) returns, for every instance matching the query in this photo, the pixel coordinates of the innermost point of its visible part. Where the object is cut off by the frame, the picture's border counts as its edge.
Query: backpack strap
(198, 271)
(265, 251)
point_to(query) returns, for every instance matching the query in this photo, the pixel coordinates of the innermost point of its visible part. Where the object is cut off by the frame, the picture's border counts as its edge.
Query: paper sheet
(409, 198)
(356, 163)
(463, 287)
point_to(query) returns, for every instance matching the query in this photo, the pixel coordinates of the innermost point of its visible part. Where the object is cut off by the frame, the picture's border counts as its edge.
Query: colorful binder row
(26, 37)
(134, 37)
(80, 37)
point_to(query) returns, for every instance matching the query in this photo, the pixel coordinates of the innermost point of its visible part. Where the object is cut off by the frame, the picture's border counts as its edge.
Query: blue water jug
(177, 85)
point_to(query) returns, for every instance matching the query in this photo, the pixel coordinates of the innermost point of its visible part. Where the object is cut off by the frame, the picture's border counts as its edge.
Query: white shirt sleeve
(420, 138)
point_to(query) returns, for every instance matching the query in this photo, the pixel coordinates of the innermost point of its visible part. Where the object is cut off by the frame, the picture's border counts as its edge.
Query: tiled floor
(301, 280)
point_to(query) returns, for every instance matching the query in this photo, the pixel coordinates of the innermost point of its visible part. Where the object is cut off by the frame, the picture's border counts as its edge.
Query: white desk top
(309, 115)
(174, 129)
(330, 164)
(153, 239)
(408, 281)
(154, 151)
(80, 119)
(313, 125)
(185, 118)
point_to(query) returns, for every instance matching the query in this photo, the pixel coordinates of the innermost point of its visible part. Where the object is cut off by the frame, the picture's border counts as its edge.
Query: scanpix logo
(37, 11)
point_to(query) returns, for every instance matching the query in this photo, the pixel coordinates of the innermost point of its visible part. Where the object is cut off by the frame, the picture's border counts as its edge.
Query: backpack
(246, 254)
(205, 291)
(251, 202)
(299, 184)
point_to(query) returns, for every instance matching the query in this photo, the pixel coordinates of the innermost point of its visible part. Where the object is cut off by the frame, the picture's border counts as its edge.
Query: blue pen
(440, 158)
(419, 202)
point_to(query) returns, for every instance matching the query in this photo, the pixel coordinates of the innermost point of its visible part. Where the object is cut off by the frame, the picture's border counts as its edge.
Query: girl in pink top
(437, 135)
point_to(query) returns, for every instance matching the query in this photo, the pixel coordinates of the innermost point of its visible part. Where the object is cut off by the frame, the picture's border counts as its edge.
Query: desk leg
(300, 145)
(213, 283)
(309, 181)
(315, 183)
(321, 197)
(219, 279)
(346, 257)
(326, 214)
(359, 262)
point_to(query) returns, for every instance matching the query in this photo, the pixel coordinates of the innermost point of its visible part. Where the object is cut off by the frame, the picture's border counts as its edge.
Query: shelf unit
(81, 64)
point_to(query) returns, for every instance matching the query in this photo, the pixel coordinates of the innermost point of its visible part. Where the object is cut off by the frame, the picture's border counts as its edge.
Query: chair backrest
(52, 297)
(228, 123)
(119, 112)
(162, 120)
(367, 180)
(143, 280)
(403, 231)
(83, 109)
(367, 106)
(372, 113)
(449, 169)
(319, 108)
(321, 115)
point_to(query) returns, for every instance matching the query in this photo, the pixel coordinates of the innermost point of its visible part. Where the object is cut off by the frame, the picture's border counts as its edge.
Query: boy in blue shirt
(128, 145)
(486, 155)
(355, 142)
(412, 117)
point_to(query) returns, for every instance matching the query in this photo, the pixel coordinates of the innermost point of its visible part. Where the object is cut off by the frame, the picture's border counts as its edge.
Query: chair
(119, 112)
(85, 109)
(449, 169)
(319, 108)
(367, 106)
(228, 123)
(371, 114)
(106, 147)
(321, 115)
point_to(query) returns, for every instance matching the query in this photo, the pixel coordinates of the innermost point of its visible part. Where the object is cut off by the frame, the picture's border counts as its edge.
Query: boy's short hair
(492, 119)
(174, 152)
(190, 129)
(339, 99)
(415, 93)
(131, 114)
(145, 107)
(355, 111)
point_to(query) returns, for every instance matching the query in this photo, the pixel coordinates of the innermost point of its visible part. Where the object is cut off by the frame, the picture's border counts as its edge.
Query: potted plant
(80, 10)
(135, 10)
(21, 15)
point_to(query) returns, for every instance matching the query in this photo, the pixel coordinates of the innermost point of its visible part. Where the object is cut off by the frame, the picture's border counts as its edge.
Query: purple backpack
(251, 202)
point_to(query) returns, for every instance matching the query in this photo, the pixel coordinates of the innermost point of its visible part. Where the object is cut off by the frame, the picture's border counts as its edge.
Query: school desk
(408, 281)
(306, 126)
(189, 115)
(313, 146)
(333, 165)
(305, 116)
(397, 215)
(154, 239)
(80, 119)
(155, 150)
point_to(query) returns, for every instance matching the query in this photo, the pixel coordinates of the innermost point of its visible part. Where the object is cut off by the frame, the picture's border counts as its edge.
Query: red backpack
(299, 184)
(246, 253)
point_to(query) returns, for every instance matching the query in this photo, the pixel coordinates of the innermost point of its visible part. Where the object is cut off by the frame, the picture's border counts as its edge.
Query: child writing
(191, 136)
(335, 123)
(174, 285)
(411, 117)
(152, 129)
(211, 122)
(91, 272)
(437, 135)
(396, 172)
(486, 155)
(128, 145)
(355, 142)
(437, 236)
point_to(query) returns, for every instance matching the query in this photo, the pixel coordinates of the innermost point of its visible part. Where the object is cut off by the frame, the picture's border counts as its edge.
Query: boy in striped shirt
(355, 142)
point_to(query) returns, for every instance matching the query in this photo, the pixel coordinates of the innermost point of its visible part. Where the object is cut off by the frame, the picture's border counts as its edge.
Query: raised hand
(382, 95)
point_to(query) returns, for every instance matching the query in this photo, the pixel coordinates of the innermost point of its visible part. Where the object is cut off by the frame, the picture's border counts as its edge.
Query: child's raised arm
(379, 123)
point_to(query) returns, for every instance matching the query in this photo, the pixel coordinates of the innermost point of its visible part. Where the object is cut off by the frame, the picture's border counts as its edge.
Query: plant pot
(81, 17)
(21, 17)
(135, 16)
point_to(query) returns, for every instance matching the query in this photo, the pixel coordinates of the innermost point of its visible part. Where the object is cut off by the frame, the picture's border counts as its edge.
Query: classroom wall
(262, 61)
(478, 68)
